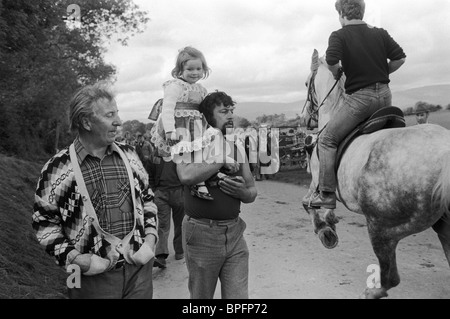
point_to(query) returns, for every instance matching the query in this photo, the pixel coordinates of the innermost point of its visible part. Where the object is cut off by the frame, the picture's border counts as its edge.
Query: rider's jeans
(357, 107)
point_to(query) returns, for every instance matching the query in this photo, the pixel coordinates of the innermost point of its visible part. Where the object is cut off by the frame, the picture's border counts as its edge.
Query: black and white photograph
(222, 149)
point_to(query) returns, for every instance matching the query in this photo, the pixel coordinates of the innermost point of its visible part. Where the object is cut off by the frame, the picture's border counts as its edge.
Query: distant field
(441, 118)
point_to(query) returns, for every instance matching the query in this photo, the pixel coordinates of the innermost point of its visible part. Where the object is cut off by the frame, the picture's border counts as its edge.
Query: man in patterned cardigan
(93, 207)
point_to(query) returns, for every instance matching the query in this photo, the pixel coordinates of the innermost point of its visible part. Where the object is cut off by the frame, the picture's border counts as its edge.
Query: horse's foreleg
(323, 229)
(442, 228)
(316, 221)
(330, 218)
(384, 249)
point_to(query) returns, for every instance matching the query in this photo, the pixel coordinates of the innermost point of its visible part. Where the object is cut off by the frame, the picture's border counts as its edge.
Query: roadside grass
(26, 270)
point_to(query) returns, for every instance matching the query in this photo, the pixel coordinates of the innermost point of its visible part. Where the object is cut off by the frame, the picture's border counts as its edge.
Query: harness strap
(88, 203)
(329, 92)
(310, 99)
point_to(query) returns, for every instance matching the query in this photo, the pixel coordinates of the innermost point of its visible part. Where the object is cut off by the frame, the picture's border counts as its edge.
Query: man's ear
(86, 123)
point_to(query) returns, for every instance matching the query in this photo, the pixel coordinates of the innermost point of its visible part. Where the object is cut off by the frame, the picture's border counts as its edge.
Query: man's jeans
(357, 107)
(128, 282)
(169, 202)
(216, 250)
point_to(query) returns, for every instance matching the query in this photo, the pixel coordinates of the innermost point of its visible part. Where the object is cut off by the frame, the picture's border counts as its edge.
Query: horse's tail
(441, 191)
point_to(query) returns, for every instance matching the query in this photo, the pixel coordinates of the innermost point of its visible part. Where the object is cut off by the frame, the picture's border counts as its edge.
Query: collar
(82, 152)
(355, 22)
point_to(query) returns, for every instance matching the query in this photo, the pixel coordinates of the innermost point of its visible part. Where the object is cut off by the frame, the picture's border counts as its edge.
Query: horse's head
(323, 93)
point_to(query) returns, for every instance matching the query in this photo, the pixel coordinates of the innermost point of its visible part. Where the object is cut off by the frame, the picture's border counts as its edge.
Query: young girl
(181, 128)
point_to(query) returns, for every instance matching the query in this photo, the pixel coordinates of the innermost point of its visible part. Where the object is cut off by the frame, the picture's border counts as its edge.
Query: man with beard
(214, 243)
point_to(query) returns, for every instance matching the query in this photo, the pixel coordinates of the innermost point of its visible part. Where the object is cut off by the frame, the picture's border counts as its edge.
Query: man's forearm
(194, 173)
(249, 196)
(394, 65)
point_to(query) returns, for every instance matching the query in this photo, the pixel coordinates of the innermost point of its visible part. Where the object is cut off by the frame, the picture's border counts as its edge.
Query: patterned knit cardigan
(60, 219)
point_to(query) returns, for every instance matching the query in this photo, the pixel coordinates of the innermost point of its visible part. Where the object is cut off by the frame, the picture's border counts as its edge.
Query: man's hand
(91, 264)
(336, 70)
(338, 73)
(146, 252)
(234, 186)
(230, 166)
(83, 261)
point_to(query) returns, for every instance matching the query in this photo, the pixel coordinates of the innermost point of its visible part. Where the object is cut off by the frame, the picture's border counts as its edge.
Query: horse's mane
(340, 87)
(332, 93)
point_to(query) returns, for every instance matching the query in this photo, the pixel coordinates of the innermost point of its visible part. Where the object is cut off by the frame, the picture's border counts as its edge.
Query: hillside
(435, 94)
(26, 271)
(251, 110)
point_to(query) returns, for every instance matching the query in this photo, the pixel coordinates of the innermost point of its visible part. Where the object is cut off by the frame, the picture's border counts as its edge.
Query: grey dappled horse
(398, 178)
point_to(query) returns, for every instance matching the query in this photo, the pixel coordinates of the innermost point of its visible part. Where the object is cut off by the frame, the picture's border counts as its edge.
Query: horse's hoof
(373, 293)
(328, 237)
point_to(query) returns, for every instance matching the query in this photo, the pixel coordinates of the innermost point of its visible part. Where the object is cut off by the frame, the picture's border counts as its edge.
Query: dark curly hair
(211, 101)
(352, 9)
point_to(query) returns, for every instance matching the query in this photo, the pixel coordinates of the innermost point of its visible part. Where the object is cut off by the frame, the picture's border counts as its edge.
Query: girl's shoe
(196, 191)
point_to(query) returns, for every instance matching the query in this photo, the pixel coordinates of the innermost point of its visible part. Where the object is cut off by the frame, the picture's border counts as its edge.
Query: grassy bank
(26, 271)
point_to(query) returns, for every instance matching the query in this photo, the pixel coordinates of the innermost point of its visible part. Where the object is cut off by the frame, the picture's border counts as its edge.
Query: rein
(311, 142)
(311, 97)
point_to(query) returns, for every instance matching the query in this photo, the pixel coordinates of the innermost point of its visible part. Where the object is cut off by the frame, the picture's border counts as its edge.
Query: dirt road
(288, 261)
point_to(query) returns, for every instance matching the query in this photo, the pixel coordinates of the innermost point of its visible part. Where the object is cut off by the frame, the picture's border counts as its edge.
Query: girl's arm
(171, 94)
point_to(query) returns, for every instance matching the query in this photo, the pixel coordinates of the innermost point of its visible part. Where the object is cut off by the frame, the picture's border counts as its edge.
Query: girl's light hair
(82, 103)
(186, 54)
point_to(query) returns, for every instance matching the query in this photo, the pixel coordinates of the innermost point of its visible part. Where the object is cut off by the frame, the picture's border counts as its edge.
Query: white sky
(260, 50)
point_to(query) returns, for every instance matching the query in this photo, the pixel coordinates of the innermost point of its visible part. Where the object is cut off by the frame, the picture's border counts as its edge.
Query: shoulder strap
(83, 190)
(85, 195)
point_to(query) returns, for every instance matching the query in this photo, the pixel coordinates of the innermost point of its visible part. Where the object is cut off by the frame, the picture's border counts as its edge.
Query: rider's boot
(321, 199)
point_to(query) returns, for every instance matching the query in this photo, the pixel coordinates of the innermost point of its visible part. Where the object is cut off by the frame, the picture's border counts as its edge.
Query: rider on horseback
(364, 52)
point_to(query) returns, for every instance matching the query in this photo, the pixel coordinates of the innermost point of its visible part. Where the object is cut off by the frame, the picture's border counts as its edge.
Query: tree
(242, 122)
(408, 111)
(43, 60)
(134, 126)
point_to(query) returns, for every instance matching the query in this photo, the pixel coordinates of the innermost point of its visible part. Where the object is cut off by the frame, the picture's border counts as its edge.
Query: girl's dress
(180, 113)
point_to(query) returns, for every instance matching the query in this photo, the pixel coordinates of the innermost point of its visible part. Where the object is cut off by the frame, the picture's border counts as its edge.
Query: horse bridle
(313, 112)
(311, 96)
